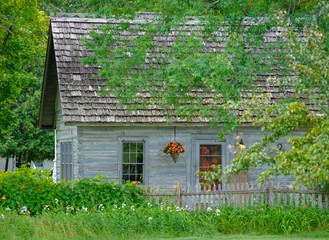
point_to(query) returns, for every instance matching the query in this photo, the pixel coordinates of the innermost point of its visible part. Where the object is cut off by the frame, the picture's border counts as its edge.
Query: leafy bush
(30, 191)
(28, 188)
(96, 209)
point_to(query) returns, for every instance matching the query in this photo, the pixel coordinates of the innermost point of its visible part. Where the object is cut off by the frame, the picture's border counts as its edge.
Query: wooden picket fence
(197, 198)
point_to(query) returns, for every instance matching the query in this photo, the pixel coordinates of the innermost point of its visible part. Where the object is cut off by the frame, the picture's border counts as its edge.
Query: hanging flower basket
(174, 149)
(174, 156)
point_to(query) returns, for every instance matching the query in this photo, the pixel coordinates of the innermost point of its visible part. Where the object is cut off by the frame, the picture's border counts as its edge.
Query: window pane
(125, 158)
(214, 149)
(125, 168)
(210, 150)
(133, 147)
(140, 178)
(140, 147)
(125, 178)
(133, 169)
(133, 157)
(125, 147)
(140, 158)
(140, 169)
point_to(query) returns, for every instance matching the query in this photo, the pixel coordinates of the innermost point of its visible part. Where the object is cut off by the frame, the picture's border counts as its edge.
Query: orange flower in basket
(173, 147)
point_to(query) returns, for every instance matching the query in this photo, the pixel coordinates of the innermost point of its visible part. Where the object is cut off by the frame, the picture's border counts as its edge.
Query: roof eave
(43, 101)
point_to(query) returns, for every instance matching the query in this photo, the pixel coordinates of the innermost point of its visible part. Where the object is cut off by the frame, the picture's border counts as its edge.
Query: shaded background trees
(23, 35)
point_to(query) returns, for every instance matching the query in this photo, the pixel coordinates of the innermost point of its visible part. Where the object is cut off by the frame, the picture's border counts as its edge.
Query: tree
(308, 157)
(23, 28)
(185, 68)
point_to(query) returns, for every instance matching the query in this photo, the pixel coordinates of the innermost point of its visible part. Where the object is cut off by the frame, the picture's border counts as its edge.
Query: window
(132, 161)
(66, 161)
(209, 155)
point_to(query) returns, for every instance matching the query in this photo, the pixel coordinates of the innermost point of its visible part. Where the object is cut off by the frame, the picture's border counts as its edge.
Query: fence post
(270, 194)
(178, 195)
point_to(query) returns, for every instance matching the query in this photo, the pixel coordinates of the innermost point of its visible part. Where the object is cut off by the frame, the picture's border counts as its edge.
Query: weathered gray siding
(98, 152)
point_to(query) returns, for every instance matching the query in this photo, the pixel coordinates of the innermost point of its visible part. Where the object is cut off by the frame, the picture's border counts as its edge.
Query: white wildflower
(150, 218)
(209, 209)
(24, 211)
(46, 208)
(217, 212)
(8, 209)
(85, 209)
(115, 206)
(56, 200)
(132, 208)
(178, 209)
(2, 216)
(101, 206)
(69, 208)
(149, 204)
(123, 205)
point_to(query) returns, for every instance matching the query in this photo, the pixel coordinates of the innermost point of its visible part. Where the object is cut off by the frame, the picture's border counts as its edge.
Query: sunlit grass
(156, 222)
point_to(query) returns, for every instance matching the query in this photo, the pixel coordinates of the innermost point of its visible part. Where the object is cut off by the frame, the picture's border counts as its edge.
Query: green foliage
(30, 191)
(211, 178)
(183, 68)
(22, 41)
(23, 28)
(32, 206)
(155, 222)
(276, 220)
(26, 187)
(308, 155)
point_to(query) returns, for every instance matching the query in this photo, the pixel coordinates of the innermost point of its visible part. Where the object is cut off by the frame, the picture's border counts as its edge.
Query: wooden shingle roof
(79, 86)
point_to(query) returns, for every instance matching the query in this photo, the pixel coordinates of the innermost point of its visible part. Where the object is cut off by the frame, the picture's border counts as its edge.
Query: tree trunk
(28, 158)
(6, 166)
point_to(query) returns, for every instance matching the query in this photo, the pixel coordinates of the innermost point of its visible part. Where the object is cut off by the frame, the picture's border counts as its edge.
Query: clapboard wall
(96, 150)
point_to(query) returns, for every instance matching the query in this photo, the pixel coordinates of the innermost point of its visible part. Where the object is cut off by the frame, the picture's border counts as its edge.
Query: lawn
(304, 236)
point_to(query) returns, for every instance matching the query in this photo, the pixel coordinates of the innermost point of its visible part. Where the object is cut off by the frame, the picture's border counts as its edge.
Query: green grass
(304, 236)
(147, 222)
(76, 236)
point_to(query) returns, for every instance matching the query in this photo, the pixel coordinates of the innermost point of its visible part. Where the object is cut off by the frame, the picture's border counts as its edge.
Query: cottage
(95, 136)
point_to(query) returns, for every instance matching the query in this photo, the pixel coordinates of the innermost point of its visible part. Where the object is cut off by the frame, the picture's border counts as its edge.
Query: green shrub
(30, 191)
(26, 190)
(32, 206)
